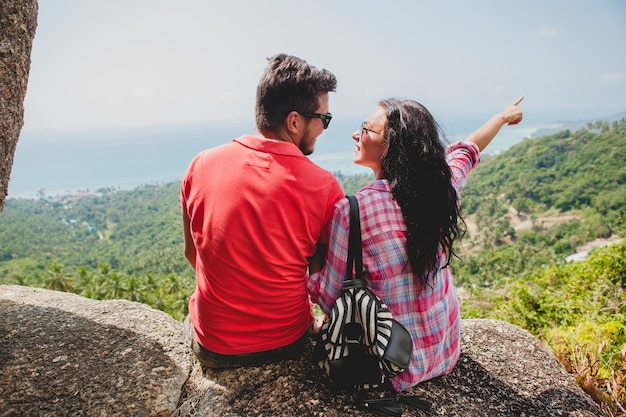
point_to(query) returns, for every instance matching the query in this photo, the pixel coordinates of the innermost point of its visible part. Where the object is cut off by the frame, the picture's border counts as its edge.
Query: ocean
(63, 162)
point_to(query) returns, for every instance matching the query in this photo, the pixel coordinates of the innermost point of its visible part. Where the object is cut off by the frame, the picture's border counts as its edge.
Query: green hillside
(541, 201)
(109, 244)
(527, 209)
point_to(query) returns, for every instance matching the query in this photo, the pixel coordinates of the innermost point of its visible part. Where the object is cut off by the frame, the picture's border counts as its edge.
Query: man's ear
(293, 122)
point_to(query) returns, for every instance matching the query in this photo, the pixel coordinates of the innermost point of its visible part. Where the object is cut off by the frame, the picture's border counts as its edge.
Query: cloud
(613, 77)
(227, 97)
(544, 32)
(142, 92)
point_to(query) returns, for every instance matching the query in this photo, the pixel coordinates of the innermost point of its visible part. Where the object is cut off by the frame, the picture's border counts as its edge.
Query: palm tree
(56, 279)
(133, 289)
(172, 284)
(113, 286)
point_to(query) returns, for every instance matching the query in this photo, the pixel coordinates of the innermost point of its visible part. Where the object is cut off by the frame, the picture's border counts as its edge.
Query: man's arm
(316, 262)
(190, 247)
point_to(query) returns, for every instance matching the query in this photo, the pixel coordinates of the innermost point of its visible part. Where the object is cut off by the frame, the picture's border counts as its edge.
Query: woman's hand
(318, 321)
(512, 114)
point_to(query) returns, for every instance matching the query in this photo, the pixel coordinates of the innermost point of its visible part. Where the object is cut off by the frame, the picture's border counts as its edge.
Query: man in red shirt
(254, 213)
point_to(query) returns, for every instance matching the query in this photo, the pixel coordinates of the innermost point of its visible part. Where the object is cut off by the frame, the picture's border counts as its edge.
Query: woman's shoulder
(377, 203)
(373, 193)
(374, 188)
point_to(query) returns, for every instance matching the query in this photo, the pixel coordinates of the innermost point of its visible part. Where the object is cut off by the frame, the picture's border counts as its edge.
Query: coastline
(64, 163)
(94, 161)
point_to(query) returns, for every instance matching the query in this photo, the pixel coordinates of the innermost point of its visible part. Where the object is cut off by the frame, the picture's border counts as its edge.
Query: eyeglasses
(325, 117)
(364, 129)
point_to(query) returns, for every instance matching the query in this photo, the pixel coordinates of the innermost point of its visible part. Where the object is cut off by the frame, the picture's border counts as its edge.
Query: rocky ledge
(66, 355)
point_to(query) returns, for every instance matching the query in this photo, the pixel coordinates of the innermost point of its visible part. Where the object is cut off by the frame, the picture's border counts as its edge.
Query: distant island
(577, 124)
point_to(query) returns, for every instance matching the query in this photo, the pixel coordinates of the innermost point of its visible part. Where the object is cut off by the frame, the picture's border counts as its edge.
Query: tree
(18, 22)
(57, 279)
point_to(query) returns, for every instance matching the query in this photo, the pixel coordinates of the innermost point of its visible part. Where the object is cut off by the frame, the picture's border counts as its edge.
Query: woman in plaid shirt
(409, 222)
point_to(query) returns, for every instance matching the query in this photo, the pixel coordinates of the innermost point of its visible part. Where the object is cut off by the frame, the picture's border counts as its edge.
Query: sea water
(49, 163)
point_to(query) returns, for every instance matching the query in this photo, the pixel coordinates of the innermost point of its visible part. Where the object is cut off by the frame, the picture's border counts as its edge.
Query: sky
(133, 63)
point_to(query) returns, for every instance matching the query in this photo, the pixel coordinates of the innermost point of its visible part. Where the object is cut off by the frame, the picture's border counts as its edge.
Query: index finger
(518, 101)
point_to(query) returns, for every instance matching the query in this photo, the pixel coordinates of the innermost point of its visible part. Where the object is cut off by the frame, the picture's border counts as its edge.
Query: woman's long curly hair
(420, 180)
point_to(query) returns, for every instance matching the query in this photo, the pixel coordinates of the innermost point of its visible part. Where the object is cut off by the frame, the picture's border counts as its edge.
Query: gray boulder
(503, 371)
(65, 355)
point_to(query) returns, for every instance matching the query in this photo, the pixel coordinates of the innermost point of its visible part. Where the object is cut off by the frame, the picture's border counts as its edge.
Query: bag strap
(355, 252)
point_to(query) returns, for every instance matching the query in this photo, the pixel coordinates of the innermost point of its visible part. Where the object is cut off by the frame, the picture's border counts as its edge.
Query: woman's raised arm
(511, 115)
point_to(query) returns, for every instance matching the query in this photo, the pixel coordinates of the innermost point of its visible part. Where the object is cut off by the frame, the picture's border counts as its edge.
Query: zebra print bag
(361, 344)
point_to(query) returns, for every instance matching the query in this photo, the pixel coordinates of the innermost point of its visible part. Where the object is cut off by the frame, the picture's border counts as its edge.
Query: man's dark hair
(289, 83)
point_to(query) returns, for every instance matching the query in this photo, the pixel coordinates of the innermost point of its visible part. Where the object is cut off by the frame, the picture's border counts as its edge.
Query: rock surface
(65, 355)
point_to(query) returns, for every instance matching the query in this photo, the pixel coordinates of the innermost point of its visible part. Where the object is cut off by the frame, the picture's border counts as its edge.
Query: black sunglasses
(325, 117)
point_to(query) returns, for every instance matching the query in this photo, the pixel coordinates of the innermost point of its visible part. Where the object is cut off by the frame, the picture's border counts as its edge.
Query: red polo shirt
(258, 207)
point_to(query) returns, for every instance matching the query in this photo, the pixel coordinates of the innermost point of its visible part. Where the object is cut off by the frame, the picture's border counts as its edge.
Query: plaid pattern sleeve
(324, 287)
(462, 157)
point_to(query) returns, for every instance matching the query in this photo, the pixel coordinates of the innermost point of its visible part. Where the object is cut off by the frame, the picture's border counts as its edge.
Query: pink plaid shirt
(430, 314)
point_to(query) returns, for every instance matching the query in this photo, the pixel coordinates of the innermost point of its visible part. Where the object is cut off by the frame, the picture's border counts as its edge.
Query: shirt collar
(269, 145)
(378, 185)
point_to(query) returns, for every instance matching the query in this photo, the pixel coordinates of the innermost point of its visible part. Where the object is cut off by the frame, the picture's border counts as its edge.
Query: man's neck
(279, 136)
